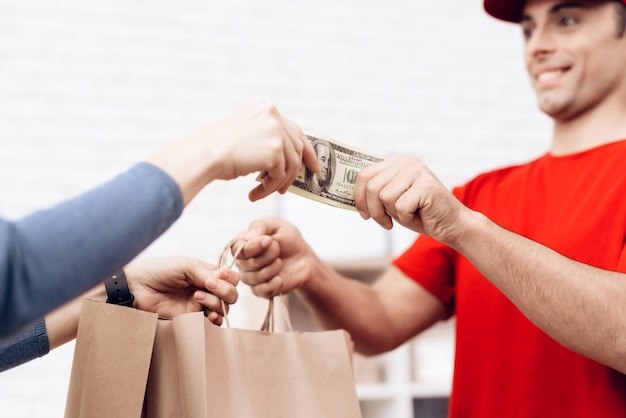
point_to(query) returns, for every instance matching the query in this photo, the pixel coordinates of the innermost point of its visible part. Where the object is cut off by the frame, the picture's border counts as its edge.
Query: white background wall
(88, 88)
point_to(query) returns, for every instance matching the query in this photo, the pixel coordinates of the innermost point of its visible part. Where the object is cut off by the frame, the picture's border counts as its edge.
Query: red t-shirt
(505, 366)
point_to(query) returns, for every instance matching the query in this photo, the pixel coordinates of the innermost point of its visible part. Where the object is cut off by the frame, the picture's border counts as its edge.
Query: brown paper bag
(111, 361)
(190, 368)
(163, 394)
(228, 372)
(236, 373)
(129, 364)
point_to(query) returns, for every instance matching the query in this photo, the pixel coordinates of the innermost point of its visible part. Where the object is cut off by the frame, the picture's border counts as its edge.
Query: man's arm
(379, 317)
(581, 307)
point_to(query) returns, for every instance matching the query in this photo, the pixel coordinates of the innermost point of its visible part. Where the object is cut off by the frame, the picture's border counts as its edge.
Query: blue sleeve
(54, 255)
(26, 347)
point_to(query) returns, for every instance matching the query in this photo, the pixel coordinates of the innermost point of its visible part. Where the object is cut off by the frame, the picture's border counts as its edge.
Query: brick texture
(89, 88)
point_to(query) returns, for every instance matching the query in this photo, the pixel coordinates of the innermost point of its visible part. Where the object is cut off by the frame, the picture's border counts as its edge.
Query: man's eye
(567, 21)
(527, 33)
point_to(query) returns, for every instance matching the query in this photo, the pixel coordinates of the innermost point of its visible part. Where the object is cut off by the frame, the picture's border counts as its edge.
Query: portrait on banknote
(321, 181)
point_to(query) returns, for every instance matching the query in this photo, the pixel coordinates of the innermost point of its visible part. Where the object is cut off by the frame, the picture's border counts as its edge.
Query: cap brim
(507, 10)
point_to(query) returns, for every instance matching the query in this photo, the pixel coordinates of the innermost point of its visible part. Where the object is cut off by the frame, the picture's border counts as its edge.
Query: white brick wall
(88, 88)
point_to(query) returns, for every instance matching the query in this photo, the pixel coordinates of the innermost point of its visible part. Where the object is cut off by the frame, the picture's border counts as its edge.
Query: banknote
(334, 183)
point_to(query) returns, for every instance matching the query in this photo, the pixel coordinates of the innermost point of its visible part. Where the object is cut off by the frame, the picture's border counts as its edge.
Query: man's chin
(554, 109)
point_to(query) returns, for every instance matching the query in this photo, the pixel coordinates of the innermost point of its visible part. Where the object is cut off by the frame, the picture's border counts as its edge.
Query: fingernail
(210, 284)
(200, 296)
(266, 242)
(364, 215)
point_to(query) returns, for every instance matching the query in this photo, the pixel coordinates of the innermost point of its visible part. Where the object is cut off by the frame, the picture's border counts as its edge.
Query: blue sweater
(25, 347)
(55, 255)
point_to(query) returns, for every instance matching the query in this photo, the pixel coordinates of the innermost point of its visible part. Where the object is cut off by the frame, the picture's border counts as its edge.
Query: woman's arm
(168, 286)
(52, 256)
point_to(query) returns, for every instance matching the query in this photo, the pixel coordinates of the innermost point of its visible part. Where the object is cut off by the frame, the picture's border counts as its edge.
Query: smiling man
(529, 258)
(575, 60)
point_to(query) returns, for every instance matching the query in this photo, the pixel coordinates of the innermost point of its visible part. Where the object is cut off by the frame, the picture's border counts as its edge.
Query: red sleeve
(431, 265)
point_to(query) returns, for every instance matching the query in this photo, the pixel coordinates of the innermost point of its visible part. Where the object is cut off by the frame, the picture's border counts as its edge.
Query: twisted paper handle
(223, 262)
(268, 323)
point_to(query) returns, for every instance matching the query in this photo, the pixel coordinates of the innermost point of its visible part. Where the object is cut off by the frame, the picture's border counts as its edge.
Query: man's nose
(541, 43)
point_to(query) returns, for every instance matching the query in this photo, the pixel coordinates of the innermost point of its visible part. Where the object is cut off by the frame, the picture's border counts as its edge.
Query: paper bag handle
(223, 260)
(268, 323)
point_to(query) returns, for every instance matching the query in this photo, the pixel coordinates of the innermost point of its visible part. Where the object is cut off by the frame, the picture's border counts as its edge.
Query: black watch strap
(117, 290)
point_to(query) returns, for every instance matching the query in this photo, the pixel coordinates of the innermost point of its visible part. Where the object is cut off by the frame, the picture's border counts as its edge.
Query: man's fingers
(268, 289)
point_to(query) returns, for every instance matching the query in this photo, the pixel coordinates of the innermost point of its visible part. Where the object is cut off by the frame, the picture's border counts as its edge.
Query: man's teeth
(549, 75)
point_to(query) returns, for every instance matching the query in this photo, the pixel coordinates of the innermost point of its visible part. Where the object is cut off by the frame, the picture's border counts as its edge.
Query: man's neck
(594, 128)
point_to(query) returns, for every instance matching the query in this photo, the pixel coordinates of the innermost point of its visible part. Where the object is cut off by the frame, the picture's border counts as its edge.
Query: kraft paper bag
(228, 372)
(111, 361)
(128, 363)
(163, 394)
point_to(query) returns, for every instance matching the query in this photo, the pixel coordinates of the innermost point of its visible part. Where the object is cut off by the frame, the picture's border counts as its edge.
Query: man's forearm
(379, 317)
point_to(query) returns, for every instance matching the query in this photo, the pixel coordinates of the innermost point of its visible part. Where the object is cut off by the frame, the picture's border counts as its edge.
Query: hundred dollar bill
(334, 183)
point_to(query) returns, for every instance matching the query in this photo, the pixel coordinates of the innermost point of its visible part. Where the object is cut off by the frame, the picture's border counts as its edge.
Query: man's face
(323, 156)
(575, 60)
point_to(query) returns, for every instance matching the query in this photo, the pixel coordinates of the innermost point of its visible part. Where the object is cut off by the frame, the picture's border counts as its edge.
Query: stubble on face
(572, 55)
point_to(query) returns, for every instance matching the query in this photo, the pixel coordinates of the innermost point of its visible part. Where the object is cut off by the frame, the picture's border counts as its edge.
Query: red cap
(509, 10)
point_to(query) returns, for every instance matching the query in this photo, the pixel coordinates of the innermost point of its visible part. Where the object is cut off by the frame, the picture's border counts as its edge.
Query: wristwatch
(118, 292)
